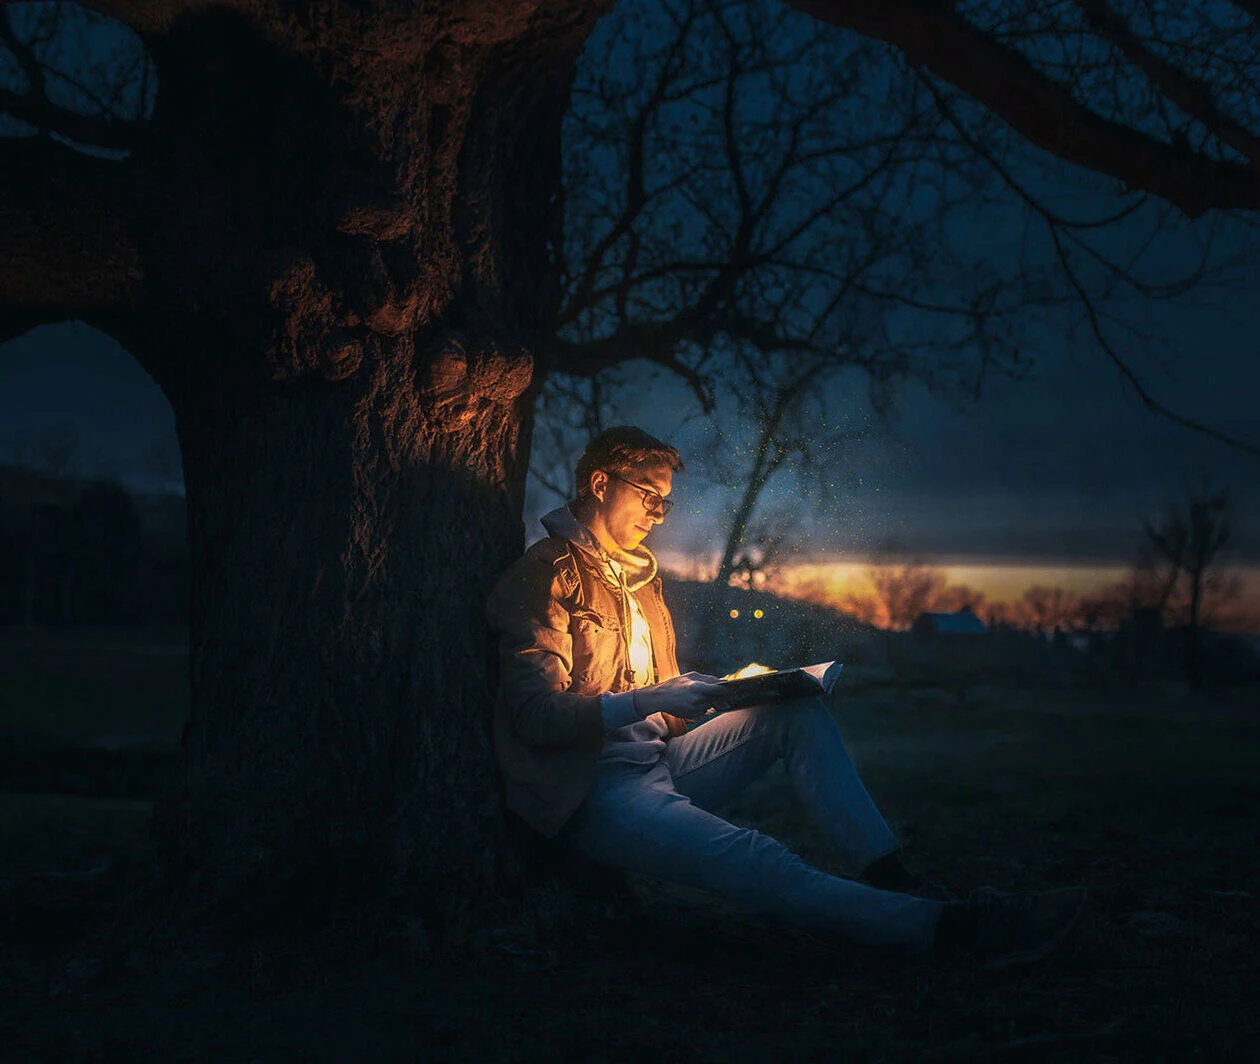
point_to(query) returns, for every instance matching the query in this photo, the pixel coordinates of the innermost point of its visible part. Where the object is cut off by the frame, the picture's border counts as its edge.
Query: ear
(599, 484)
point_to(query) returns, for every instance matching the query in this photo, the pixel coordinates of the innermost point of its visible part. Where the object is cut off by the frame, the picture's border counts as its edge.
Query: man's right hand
(689, 696)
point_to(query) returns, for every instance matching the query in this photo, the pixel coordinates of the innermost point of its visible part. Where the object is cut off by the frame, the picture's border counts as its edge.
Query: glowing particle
(734, 614)
(758, 614)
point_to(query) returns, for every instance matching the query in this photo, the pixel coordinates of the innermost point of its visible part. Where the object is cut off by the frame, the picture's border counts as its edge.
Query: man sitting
(593, 734)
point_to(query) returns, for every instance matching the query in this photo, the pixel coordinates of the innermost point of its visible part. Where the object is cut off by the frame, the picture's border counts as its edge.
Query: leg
(712, 763)
(634, 819)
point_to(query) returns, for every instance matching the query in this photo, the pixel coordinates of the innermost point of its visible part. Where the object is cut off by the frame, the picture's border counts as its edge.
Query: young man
(593, 734)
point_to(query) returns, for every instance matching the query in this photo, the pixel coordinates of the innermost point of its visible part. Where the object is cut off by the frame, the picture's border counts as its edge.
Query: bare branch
(1127, 372)
(68, 250)
(935, 36)
(34, 108)
(1188, 93)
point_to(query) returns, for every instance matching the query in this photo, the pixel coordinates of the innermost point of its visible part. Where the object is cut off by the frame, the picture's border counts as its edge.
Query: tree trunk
(343, 228)
(1194, 629)
(343, 539)
(764, 466)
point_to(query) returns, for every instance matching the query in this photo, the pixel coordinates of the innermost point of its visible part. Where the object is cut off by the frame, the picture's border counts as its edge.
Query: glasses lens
(652, 501)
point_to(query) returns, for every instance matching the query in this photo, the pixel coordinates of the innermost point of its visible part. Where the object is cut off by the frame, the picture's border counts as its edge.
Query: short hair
(620, 450)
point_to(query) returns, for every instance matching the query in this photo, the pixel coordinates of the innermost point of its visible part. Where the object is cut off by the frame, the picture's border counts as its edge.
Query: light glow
(751, 669)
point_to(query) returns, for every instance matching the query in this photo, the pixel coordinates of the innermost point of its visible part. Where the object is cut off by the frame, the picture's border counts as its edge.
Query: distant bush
(88, 552)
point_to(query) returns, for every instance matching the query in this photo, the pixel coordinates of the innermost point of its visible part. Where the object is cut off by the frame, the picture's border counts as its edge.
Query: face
(621, 507)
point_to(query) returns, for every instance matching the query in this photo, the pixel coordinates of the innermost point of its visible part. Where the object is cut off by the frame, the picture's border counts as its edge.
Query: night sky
(1057, 469)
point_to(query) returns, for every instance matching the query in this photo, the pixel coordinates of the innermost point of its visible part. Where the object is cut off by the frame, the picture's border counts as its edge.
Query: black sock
(890, 873)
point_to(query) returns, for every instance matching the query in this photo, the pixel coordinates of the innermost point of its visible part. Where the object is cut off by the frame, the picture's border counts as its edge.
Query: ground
(1148, 797)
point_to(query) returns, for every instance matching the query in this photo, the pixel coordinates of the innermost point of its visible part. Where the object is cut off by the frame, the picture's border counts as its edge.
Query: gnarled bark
(334, 261)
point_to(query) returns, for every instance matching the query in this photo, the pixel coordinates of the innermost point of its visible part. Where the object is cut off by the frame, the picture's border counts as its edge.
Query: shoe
(922, 887)
(1023, 927)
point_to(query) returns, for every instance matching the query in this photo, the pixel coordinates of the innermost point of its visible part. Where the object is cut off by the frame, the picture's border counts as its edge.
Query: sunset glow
(845, 583)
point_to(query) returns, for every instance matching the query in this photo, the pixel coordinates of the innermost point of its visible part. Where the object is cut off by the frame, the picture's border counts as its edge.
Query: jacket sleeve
(526, 615)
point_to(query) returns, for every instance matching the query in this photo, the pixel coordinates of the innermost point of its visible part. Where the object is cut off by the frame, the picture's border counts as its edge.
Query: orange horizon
(1001, 583)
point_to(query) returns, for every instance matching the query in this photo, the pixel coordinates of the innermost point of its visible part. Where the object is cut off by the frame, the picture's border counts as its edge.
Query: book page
(827, 673)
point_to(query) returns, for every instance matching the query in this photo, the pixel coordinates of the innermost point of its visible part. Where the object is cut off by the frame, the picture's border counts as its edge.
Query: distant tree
(863, 606)
(1047, 609)
(1190, 540)
(956, 597)
(904, 590)
(106, 552)
(999, 615)
(56, 451)
(49, 583)
(1161, 558)
(783, 413)
(763, 550)
(1107, 608)
(900, 591)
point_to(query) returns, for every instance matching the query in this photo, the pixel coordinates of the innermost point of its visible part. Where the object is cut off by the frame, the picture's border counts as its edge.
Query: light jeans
(656, 820)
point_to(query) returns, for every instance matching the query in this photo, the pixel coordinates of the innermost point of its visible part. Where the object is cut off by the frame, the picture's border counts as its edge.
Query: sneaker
(1024, 927)
(922, 887)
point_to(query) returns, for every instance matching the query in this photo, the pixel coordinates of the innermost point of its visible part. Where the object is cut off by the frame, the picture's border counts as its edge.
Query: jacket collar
(639, 565)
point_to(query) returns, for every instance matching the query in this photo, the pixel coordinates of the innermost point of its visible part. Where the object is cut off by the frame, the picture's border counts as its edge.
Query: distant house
(948, 626)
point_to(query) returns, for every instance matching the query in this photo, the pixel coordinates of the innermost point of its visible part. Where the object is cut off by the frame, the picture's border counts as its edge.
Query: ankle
(889, 873)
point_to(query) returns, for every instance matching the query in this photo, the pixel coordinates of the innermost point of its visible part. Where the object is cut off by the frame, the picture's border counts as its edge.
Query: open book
(780, 686)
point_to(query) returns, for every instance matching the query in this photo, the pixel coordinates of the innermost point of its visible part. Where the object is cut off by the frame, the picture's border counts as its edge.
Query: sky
(1059, 469)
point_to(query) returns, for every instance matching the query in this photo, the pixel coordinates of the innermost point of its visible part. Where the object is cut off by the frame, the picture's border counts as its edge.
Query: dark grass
(1150, 798)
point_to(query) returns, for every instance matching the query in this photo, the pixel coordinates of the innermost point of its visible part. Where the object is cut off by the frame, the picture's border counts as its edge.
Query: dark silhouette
(1189, 541)
(76, 552)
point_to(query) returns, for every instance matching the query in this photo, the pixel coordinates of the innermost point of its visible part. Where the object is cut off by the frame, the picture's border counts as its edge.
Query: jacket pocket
(589, 620)
(596, 650)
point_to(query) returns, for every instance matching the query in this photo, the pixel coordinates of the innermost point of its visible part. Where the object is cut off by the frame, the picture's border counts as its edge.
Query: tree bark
(336, 228)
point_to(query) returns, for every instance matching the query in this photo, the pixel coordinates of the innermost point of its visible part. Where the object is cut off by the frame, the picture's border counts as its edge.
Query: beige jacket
(560, 621)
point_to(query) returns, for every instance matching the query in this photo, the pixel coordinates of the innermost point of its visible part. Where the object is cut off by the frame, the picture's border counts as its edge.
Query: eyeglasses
(652, 500)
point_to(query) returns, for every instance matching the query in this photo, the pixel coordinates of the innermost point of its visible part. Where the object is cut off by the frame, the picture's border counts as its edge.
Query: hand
(688, 696)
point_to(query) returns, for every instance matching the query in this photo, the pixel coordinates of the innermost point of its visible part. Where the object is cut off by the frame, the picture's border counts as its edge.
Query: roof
(964, 622)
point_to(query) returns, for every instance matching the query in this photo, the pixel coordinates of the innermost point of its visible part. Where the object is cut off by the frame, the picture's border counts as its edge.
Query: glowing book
(745, 688)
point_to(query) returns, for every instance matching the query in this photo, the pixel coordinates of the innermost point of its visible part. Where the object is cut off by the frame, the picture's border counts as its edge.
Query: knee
(806, 716)
(810, 710)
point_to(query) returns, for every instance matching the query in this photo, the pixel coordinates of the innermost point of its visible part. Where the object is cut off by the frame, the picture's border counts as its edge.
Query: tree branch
(152, 16)
(67, 249)
(1127, 372)
(96, 132)
(936, 37)
(1188, 93)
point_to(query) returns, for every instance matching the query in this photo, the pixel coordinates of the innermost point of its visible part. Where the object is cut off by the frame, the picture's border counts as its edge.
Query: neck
(594, 521)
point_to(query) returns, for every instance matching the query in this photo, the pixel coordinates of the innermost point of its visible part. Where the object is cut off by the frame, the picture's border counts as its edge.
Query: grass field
(1151, 799)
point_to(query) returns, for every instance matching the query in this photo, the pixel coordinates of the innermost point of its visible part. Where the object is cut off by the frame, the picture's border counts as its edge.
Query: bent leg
(636, 820)
(711, 764)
